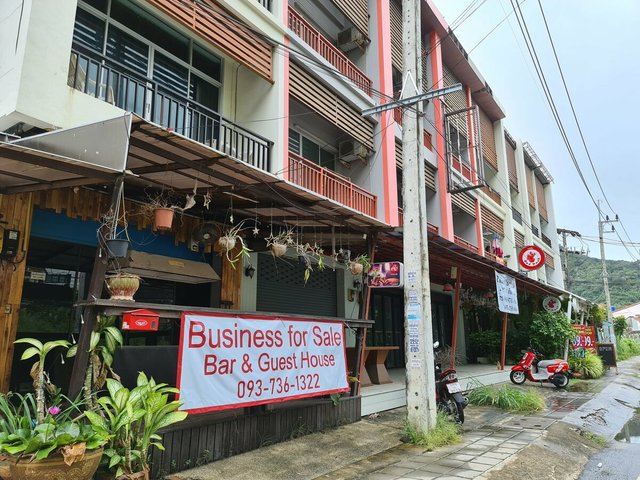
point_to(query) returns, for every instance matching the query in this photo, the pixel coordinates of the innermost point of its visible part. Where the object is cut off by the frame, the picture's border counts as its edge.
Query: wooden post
(505, 319)
(456, 313)
(361, 339)
(16, 212)
(89, 314)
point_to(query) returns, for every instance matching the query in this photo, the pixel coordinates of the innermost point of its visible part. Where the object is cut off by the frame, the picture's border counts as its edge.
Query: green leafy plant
(312, 257)
(506, 398)
(228, 241)
(589, 366)
(550, 332)
(446, 432)
(627, 348)
(133, 419)
(360, 265)
(485, 344)
(619, 326)
(594, 437)
(105, 340)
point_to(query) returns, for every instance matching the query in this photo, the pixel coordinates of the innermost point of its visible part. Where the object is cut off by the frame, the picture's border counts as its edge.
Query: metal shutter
(488, 140)
(492, 221)
(464, 202)
(395, 11)
(312, 93)
(542, 204)
(532, 200)
(281, 288)
(511, 161)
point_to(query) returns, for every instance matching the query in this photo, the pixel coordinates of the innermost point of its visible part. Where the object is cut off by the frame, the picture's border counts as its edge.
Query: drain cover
(534, 423)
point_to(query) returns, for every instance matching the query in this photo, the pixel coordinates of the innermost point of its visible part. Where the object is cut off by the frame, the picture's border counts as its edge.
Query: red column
(446, 213)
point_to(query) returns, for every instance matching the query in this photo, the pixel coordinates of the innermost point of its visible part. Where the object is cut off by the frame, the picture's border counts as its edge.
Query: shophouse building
(255, 105)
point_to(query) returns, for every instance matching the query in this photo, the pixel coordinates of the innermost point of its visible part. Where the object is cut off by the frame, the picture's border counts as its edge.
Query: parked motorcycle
(553, 371)
(449, 396)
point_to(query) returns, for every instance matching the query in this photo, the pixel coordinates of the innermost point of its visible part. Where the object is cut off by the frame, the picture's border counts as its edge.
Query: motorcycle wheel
(560, 380)
(455, 410)
(518, 377)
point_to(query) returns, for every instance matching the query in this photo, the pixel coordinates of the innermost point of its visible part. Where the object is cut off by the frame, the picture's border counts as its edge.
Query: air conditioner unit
(350, 150)
(350, 39)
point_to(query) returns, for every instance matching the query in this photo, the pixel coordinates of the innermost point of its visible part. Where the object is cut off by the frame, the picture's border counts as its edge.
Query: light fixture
(249, 271)
(447, 287)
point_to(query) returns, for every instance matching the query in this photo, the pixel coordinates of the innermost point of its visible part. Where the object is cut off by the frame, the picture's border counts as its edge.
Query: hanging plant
(280, 242)
(227, 243)
(311, 256)
(360, 265)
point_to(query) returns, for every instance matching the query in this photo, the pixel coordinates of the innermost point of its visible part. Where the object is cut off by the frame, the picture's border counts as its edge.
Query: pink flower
(54, 410)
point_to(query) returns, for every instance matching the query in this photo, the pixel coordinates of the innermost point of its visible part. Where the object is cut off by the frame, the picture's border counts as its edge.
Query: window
(311, 150)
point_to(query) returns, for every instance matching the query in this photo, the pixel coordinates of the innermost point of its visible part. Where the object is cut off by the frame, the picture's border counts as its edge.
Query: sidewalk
(371, 449)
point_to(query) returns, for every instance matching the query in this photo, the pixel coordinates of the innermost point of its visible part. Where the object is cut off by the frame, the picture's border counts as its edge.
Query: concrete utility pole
(605, 277)
(564, 233)
(421, 393)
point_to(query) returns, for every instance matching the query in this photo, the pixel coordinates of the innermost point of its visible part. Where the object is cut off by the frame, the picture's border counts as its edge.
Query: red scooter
(553, 371)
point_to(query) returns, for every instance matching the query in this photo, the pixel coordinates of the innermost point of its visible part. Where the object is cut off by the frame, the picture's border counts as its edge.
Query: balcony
(464, 244)
(330, 184)
(109, 81)
(431, 228)
(328, 51)
(495, 258)
(546, 240)
(517, 216)
(492, 194)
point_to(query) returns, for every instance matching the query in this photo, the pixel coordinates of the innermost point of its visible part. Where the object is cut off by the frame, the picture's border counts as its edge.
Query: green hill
(586, 280)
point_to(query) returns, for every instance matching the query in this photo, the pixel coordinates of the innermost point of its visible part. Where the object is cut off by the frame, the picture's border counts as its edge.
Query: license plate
(454, 387)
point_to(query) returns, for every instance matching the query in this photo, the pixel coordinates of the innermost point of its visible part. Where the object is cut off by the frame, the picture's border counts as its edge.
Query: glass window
(170, 74)
(327, 159)
(88, 31)
(204, 93)
(206, 62)
(310, 150)
(98, 4)
(127, 51)
(294, 141)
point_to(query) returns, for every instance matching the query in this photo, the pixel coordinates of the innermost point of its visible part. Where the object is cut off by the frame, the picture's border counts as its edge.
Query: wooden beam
(78, 182)
(17, 211)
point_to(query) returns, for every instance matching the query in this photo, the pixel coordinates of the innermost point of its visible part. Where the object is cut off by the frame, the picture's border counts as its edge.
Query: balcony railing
(431, 228)
(465, 244)
(546, 240)
(517, 216)
(492, 194)
(332, 185)
(114, 83)
(328, 51)
(535, 230)
(266, 4)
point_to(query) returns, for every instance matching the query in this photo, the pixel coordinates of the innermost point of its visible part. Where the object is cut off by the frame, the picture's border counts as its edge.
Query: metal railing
(328, 51)
(546, 240)
(535, 230)
(517, 216)
(107, 80)
(330, 184)
(465, 244)
(266, 4)
(431, 228)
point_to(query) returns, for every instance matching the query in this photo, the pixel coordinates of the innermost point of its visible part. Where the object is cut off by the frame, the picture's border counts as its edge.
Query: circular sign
(551, 304)
(531, 257)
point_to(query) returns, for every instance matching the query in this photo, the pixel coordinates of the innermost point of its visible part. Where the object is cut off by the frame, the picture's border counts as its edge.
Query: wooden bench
(374, 371)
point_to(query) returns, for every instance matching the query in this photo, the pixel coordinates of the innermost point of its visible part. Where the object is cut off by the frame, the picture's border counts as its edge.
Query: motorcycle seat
(546, 363)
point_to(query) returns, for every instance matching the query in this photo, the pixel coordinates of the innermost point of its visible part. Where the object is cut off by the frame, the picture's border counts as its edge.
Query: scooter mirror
(436, 344)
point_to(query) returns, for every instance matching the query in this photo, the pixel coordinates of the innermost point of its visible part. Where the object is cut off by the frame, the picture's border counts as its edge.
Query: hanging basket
(278, 249)
(162, 218)
(122, 286)
(227, 244)
(117, 248)
(356, 268)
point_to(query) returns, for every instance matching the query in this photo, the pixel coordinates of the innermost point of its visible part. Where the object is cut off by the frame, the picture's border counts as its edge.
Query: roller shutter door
(281, 288)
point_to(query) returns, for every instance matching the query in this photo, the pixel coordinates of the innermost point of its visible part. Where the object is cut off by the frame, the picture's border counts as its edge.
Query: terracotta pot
(227, 244)
(54, 468)
(356, 268)
(144, 475)
(278, 249)
(162, 218)
(122, 286)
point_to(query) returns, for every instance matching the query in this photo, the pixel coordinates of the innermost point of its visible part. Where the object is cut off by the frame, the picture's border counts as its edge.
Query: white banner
(507, 293)
(229, 361)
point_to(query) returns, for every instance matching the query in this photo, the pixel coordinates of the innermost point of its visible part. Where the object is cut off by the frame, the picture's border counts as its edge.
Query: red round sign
(531, 257)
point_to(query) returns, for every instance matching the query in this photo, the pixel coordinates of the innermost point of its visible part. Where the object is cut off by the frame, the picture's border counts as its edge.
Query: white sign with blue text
(507, 293)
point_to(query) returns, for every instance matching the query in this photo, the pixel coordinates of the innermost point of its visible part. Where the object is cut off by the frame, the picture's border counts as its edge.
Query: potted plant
(122, 286)
(115, 241)
(133, 419)
(280, 242)
(360, 265)
(228, 241)
(47, 442)
(310, 256)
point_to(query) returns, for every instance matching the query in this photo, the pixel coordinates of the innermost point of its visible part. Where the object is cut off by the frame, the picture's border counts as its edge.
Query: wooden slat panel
(519, 239)
(532, 200)
(209, 20)
(455, 101)
(492, 221)
(549, 261)
(488, 140)
(465, 202)
(329, 105)
(542, 203)
(395, 10)
(511, 163)
(357, 11)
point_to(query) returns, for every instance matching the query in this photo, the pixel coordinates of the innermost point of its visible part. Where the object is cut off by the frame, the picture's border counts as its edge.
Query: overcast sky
(598, 45)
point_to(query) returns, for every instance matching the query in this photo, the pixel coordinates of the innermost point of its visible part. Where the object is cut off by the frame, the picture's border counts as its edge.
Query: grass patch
(507, 398)
(594, 437)
(447, 432)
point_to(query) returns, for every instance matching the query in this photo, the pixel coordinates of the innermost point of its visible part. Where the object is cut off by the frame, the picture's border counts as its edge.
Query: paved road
(619, 461)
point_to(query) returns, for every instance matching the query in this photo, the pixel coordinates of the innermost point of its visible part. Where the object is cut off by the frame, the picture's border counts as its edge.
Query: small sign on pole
(507, 293)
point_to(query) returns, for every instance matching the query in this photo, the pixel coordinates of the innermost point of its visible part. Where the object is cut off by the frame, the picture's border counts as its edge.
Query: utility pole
(421, 393)
(605, 277)
(564, 233)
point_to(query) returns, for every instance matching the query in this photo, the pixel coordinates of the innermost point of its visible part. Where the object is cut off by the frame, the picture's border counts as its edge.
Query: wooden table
(374, 357)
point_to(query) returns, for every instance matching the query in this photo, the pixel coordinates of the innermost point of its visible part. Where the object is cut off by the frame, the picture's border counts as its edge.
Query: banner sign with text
(507, 293)
(230, 361)
(584, 339)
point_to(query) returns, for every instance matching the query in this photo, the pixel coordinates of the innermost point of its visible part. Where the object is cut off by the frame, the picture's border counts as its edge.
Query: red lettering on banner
(324, 338)
(309, 360)
(193, 333)
(268, 363)
(199, 336)
(214, 366)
